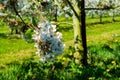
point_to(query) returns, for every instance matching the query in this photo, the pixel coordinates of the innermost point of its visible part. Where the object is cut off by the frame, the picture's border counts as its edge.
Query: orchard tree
(75, 8)
(103, 7)
(78, 16)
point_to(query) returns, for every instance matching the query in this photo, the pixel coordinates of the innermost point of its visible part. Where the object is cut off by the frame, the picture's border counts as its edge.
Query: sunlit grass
(95, 33)
(13, 48)
(102, 41)
(14, 45)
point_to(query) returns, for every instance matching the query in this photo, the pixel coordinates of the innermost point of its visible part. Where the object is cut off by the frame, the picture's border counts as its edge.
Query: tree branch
(72, 8)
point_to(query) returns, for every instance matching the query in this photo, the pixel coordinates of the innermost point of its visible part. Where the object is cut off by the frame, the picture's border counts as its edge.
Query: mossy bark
(77, 33)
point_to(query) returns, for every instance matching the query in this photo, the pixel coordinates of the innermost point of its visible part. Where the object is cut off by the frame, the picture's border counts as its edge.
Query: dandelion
(107, 70)
(64, 59)
(113, 62)
(90, 78)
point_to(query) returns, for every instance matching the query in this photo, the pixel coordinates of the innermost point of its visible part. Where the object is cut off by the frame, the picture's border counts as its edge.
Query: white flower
(59, 35)
(41, 24)
(47, 41)
(36, 31)
(47, 56)
(53, 28)
(42, 60)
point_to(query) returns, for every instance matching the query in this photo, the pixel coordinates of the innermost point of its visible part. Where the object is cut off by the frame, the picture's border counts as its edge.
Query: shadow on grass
(6, 36)
(65, 28)
(3, 35)
(96, 72)
(46, 71)
(70, 27)
(32, 70)
(103, 22)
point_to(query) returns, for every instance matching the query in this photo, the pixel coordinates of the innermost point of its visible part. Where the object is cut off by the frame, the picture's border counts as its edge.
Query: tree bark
(83, 32)
(77, 34)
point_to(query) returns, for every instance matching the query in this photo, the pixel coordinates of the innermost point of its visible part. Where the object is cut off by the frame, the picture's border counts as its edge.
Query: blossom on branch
(47, 41)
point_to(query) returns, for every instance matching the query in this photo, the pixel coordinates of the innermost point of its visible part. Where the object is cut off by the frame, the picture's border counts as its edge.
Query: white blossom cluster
(47, 41)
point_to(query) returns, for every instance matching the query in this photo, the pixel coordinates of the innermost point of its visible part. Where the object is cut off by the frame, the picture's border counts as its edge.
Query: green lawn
(103, 41)
(13, 48)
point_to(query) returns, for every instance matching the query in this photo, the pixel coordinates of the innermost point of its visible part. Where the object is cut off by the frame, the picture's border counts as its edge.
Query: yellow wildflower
(63, 58)
(107, 70)
(90, 78)
(113, 62)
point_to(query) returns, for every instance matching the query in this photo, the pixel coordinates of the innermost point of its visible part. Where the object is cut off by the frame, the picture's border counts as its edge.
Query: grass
(18, 60)
(13, 48)
(12, 43)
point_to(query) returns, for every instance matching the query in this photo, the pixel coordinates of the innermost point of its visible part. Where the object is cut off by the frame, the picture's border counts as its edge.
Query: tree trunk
(83, 32)
(77, 34)
(113, 16)
(101, 14)
(80, 32)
